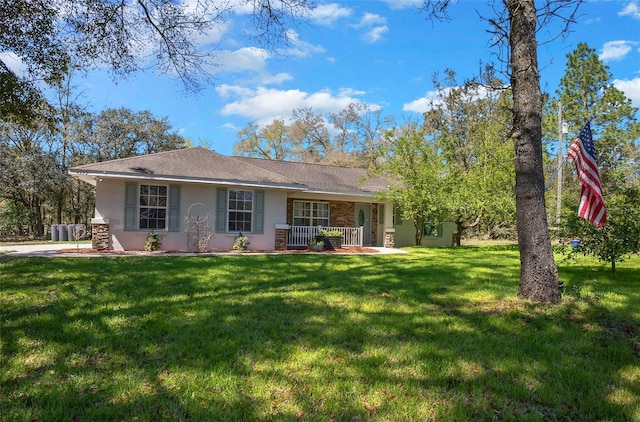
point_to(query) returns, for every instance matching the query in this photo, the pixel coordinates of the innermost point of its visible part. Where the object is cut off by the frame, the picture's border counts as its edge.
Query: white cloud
(251, 61)
(402, 4)
(227, 91)
(632, 9)
(230, 126)
(376, 34)
(350, 92)
(328, 14)
(423, 104)
(247, 58)
(375, 26)
(631, 89)
(300, 48)
(241, 7)
(14, 63)
(215, 34)
(262, 105)
(616, 50)
(277, 79)
(433, 98)
(371, 19)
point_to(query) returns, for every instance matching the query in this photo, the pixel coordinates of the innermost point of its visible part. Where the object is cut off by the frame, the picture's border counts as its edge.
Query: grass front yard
(436, 334)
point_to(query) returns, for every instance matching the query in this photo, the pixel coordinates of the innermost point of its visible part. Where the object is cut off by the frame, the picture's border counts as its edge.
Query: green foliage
(470, 123)
(123, 133)
(412, 162)
(14, 220)
(240, 243)
(27, 29)
(29, 171)
(619, 237)
(34, 159)
(346, 138)
(316, 241)
(271, 142)
(49, 37)
(330, 233)
(587, 92)
(428, 335)
(459, 164)
(153, 242)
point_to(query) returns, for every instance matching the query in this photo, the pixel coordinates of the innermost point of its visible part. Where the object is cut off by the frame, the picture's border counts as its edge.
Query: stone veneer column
(282, 231)
(389, 238)
(100, 234)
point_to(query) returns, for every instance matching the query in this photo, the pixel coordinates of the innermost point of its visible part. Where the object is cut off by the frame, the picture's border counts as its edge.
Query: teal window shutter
(258, 212)
(221, 211)
(174, 208)
(130, 202)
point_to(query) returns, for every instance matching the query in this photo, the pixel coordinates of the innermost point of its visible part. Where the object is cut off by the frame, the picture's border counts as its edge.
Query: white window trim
(165, 208)
(253, 204)
(311, 217)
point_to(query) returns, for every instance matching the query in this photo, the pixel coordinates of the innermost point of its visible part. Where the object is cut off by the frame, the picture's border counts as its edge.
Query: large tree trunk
(538, 272)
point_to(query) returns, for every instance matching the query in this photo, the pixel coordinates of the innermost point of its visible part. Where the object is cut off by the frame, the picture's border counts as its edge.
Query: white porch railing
(301, 235)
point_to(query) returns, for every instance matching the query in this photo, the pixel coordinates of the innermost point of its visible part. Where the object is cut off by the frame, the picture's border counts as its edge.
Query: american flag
(583, 154)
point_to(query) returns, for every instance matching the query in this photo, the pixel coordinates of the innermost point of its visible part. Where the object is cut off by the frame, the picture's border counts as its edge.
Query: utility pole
(561, 130)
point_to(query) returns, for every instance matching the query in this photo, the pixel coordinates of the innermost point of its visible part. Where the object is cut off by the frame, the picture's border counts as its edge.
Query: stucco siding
(110, 195)
(405, 235)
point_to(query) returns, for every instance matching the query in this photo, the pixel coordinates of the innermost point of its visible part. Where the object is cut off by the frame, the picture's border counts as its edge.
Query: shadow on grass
(430, 335)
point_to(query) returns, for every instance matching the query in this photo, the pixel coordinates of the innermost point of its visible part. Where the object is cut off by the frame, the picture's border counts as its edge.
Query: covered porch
(361, 221)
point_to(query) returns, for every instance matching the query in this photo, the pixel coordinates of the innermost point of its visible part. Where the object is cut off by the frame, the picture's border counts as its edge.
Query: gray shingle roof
(322, 178)
(203, 165)
(192, 163)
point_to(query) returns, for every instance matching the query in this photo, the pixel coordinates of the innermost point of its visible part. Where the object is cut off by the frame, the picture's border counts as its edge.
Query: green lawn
(436, 334)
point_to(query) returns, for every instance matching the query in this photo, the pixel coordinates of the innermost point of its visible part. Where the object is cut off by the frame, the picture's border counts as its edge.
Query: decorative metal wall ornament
(198, 232)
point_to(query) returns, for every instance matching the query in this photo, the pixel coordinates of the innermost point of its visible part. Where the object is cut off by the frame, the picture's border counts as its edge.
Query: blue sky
(382, 53)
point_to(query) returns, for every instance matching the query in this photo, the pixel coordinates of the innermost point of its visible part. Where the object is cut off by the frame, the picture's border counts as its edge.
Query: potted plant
(332, 238)
(315, 245)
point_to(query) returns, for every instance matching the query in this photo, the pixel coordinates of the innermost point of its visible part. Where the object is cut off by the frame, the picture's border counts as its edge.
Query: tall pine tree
(587, 93)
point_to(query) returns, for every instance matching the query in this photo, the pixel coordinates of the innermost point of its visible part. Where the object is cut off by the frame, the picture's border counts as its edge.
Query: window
(432, 229)
(240, 210)
(310, 213)
(397, 215)
(153, 207)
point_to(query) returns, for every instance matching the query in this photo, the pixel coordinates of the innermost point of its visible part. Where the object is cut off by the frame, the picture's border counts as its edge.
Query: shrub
(617, 240)
(330, 233)
(153, 242)
(240, 244)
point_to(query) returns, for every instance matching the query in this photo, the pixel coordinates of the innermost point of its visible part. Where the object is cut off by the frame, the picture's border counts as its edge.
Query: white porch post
(389, 230)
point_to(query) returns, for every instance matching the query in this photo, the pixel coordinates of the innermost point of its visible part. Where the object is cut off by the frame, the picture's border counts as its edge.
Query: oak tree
(124, 36)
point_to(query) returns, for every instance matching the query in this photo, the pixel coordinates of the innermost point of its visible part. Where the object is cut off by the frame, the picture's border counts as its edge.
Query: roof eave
(342, 193)
(92, 176)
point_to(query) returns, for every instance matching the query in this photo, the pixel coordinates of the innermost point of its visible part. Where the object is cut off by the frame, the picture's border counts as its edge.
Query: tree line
(35, 189)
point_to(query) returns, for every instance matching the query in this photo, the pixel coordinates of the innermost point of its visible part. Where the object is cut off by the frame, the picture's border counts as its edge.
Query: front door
(363, 219)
